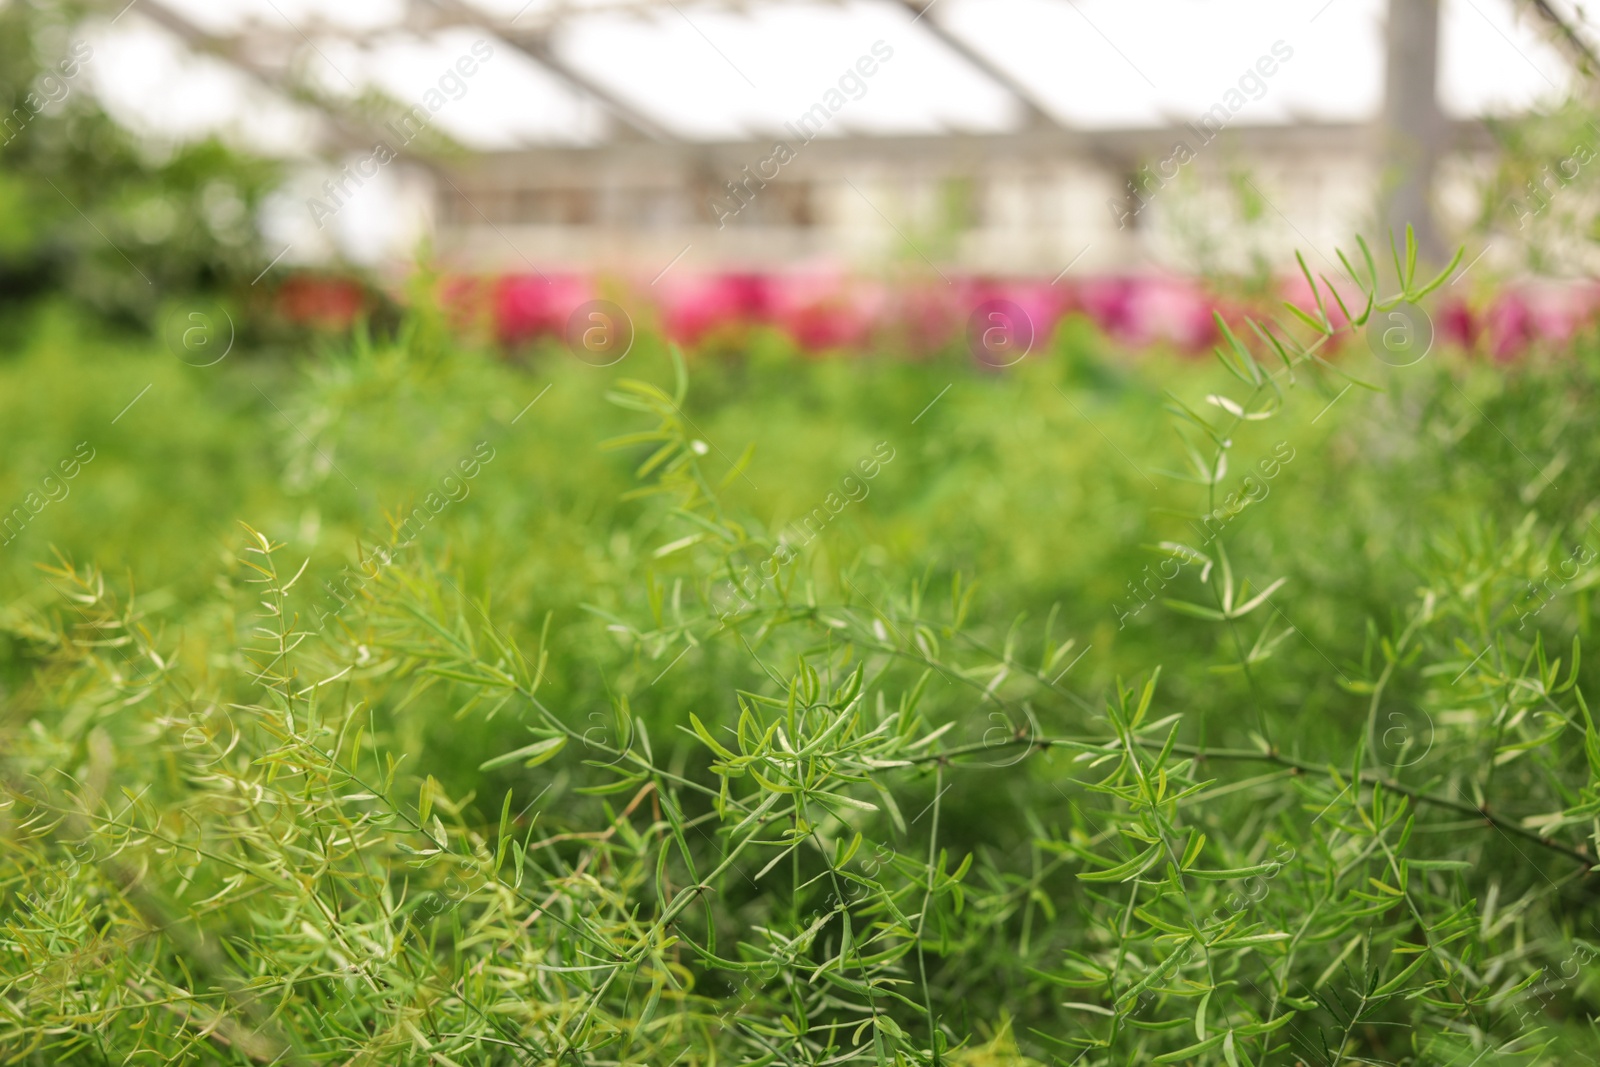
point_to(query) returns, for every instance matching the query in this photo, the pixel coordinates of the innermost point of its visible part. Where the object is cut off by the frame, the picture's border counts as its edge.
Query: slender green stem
(1277, 759)
(922, 917)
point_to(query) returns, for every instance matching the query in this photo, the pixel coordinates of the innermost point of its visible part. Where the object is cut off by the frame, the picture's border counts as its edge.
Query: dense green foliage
(1054, 738)
(124, 226)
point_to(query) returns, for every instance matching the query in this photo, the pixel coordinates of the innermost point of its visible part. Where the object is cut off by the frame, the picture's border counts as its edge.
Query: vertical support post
(1412, 127)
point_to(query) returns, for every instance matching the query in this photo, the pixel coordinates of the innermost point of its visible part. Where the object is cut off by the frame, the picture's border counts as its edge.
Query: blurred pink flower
(1040, 302)
(694, 306)
(1457, 324)
(1528, 314)
(920, 317)
(1509, 326)
(823, 311)
(1559, 311)
(1151, 309)
(826, 310)
(1176, 311)
(321, 301)
(529, 306)
(1109, 303)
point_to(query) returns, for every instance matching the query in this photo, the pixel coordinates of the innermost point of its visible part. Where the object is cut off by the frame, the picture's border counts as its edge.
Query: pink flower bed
(1519, 317)
(826, 312)
(1141, 311)
(1523, 316)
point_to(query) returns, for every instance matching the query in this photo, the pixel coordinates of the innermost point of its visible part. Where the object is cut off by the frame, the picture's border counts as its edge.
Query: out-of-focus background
(829, 167)
(992, 135)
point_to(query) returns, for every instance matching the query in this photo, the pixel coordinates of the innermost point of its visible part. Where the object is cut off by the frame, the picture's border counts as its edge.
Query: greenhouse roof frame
(533, 31)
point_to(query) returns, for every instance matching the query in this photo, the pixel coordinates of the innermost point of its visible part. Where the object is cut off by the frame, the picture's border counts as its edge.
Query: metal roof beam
(535, 44)
(1577, 47)
(347, 134)
(1034, 109)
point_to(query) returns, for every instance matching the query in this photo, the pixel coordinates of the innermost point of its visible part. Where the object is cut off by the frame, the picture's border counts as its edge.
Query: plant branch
(1278, 760)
